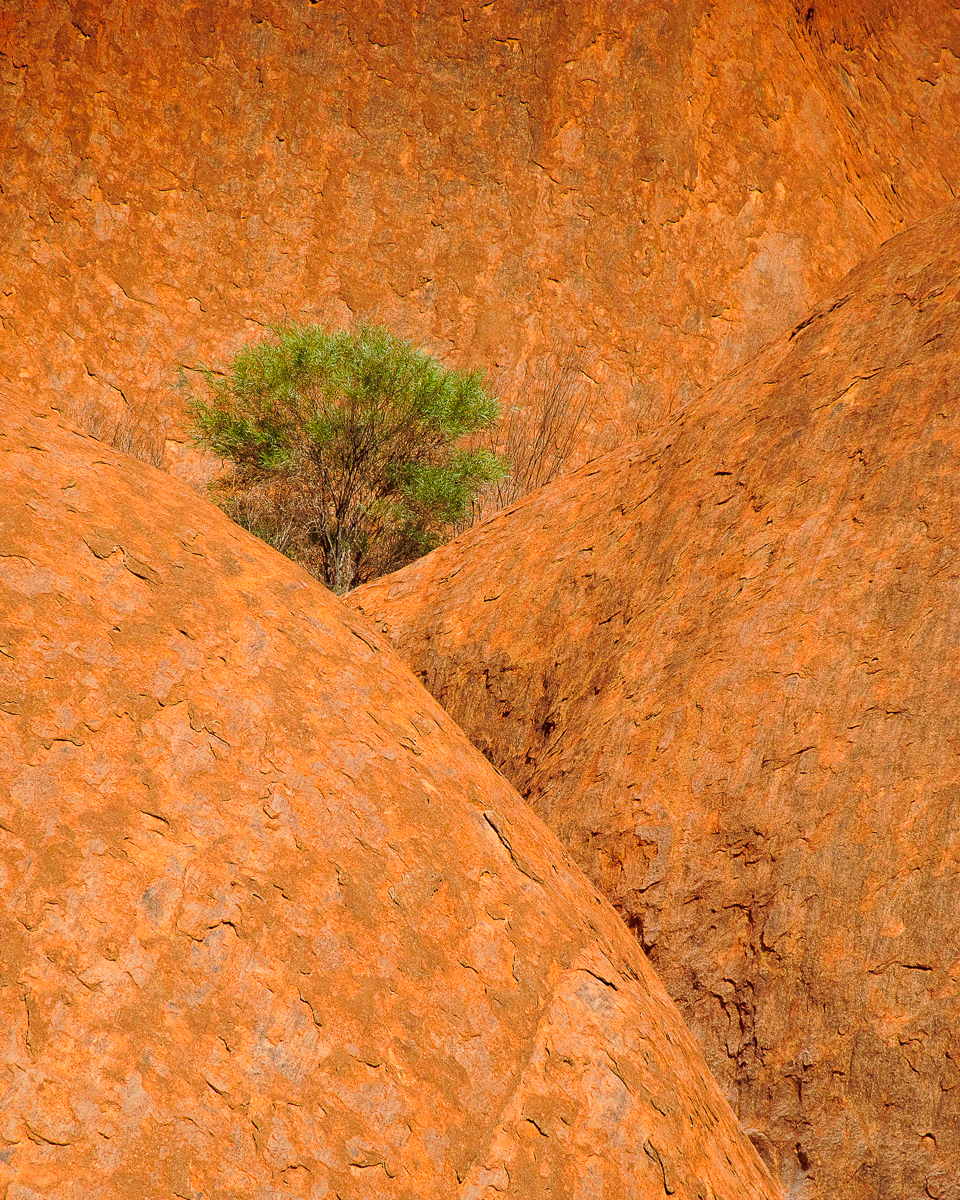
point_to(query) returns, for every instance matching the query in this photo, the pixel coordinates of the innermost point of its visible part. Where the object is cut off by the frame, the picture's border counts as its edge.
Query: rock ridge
(269, 925)
(721, 665)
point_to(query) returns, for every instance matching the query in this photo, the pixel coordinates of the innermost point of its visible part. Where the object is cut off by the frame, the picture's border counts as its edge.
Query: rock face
(723, 666)
(665, 187)
(268, 924)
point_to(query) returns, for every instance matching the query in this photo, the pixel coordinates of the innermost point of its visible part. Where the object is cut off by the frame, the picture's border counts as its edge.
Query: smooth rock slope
(724, 666)
(663, 187)
(269, 925)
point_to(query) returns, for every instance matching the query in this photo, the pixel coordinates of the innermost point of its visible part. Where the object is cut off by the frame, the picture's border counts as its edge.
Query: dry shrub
(537, 438)
(139, 432)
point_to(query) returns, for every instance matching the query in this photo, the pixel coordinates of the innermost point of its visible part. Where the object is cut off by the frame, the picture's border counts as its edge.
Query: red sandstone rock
(666, 186)
(723, 666)
(269, 925)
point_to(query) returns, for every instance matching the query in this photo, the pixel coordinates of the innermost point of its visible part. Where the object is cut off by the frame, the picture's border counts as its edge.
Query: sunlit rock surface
(662, 188)
(723, 666)
(269, 925)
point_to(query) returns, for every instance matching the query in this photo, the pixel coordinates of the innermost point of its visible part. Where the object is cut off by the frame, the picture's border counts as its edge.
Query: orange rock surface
(269, 925)
(665, 187)
(723, 666)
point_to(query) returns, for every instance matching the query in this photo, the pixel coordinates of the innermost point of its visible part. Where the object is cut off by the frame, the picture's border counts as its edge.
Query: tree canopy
(350, 452)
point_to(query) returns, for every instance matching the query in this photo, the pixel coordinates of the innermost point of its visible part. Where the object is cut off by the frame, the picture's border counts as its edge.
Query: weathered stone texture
(724, 665)
(664, 186)
(269, 925)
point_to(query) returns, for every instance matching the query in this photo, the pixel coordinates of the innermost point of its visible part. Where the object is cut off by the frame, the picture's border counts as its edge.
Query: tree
(346, 449)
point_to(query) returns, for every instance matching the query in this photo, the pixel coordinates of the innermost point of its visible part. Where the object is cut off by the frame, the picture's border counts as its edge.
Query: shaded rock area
(723, 666)
(269, 925)
(662, 188)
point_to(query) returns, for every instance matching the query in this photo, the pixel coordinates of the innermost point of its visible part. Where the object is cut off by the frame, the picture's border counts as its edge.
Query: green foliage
(347, 449)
